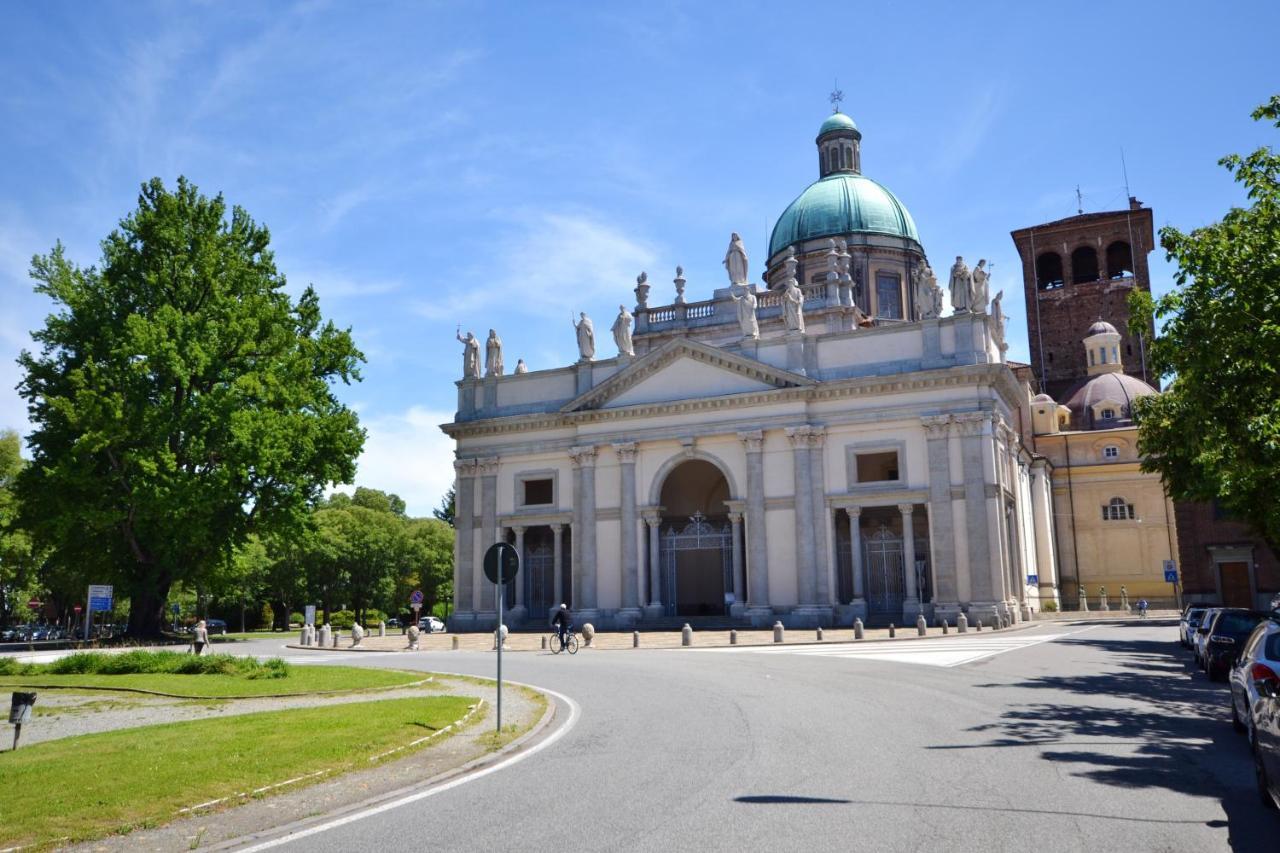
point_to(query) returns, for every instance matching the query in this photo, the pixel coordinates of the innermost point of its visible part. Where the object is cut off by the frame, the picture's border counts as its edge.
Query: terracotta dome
(1120, 388)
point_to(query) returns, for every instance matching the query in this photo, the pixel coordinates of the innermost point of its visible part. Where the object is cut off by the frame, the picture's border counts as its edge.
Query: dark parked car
(1255, 705)
(215, 626)
(1226, 639)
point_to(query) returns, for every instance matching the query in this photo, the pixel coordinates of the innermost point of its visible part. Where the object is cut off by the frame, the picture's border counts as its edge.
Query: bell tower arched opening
(696, 540)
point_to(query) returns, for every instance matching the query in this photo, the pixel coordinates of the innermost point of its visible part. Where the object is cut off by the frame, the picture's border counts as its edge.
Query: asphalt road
(1102, 738)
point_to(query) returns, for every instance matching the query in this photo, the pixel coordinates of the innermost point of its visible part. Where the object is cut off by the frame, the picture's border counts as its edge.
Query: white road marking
(431, 792)
(951, 652)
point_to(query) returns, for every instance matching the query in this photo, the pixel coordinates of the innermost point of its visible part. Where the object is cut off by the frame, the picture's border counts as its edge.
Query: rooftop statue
(586, 337)
(521, 367)
(746, 310)
(679, 281)
(493, 355)
(997, 318)
(735, 260)
(961, 286)
(622, 332)
(792, 298)
(981, 275)
(470, 355)
(642, 290)
(928, 294)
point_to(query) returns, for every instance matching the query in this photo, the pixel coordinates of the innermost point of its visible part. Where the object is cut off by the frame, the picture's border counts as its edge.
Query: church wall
(868, 351)
(608, 566)
(534, 388)
(784, 590)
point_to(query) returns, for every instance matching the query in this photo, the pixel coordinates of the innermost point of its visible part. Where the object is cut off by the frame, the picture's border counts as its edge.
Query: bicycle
(570, 643)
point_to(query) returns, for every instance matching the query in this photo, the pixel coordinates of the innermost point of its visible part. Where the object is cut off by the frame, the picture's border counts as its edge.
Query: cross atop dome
(836, 97)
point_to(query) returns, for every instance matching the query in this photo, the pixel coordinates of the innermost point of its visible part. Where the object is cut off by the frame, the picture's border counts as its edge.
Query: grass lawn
(301, 679)
(90, 786)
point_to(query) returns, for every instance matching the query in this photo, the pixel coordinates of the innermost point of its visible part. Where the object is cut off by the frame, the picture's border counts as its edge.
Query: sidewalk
(532, 642)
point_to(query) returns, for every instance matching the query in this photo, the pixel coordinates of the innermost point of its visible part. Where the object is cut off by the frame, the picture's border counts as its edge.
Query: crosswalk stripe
(946, 653)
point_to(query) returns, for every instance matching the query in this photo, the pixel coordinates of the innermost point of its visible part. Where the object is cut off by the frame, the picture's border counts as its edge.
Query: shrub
(176, 663)
(1049, 606)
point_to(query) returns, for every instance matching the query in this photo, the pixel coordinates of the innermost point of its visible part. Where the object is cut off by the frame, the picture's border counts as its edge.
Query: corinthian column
(735, 520)
(464, 544)
(809, 610)
(630, 558)
(942, 546)
(855, 561)
(488, 604)
(759, 609)
(653, 521)
(519, 611)
(557, 569)
(584, 539)
(911, 605)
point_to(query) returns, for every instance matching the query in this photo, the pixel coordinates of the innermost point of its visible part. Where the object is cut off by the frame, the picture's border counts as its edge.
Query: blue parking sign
(1170, 571)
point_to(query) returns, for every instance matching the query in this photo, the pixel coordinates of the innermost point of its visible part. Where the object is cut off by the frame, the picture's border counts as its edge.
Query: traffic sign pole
(502, 589)
(501, 565)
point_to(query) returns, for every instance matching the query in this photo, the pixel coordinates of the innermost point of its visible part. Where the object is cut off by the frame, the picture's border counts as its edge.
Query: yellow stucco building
(1113, 523)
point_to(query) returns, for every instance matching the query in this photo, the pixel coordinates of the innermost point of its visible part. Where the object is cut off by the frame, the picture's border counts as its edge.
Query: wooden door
(1235, 585)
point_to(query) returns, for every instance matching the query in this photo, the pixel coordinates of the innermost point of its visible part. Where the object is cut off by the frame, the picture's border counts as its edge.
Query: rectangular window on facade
(1110, 451)
(877, 467)
(537, 492)
(1118, 510)
(888, 296)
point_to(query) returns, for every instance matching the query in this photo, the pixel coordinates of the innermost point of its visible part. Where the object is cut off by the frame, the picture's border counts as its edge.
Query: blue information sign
(1170, 571)
(100, 598)
(1033, 580)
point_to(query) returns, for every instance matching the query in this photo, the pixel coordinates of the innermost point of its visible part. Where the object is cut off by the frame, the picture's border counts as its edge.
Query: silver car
(1201, 634)
(1188, 624)
(1255, 704)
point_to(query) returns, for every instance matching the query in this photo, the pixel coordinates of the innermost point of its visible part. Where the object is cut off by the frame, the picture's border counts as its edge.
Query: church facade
(815, 448)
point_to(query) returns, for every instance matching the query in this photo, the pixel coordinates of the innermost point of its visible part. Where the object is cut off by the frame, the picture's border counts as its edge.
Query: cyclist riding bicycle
(562, 622)
(1142, 608)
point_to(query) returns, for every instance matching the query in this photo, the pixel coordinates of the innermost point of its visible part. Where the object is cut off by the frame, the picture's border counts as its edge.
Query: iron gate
(885, 583)
(539, 568)
(698, 535)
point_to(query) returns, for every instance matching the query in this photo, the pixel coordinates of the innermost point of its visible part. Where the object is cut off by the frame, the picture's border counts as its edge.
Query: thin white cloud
(407, 454)
(550, 265)
(963, 135)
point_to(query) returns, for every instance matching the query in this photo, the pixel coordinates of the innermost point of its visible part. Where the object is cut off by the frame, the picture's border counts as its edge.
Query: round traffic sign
(77, 608)
(34, 604)
(416, 597)
(501, 562)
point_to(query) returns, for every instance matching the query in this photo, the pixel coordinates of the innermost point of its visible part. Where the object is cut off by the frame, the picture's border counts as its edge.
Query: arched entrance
(696, 540)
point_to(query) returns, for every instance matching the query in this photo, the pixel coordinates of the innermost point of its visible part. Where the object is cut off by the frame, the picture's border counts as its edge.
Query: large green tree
(19, 557)
(1215, 433)
(181, 399)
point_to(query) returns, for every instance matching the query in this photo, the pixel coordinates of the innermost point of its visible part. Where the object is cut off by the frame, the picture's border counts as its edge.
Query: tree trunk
(280, 618)
(146, 609)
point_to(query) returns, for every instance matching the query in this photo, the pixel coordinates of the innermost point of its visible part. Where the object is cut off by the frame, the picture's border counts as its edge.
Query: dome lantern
(1102, 343)
(839, 146)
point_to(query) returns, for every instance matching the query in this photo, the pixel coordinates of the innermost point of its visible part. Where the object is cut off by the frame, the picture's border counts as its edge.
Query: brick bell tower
(1076, 271)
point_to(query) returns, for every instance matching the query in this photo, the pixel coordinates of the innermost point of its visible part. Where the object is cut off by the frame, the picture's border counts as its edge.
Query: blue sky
(426, 165)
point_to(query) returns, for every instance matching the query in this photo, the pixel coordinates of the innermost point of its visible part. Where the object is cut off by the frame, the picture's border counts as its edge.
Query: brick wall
(1198, 529)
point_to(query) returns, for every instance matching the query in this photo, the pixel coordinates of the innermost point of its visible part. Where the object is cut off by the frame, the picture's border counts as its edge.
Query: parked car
(1201, 634)
(431, 625)
(393, 622)
(1226, 639)
(1191, 616)
(215, 626)
(1255, 705)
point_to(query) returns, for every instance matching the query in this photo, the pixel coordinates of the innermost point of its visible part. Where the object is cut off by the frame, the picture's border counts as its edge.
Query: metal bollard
(892, 632)
(857, 629)
(777, 631)
(819, 633)
(635, 639)
(922, 627)
(733, 637)
(337, 635)
(455, 644)
(544, 643)
(962, 623)
(686, 635)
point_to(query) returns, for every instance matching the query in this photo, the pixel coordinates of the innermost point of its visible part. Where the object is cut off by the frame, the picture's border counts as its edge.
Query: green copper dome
(842, 203)
(837, 121)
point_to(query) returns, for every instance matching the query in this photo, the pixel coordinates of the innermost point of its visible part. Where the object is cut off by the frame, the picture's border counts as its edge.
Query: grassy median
(219, 676)
(86, 787)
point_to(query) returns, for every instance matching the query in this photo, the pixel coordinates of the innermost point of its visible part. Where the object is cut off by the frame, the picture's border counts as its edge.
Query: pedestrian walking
(1142, 608)
(202, 637)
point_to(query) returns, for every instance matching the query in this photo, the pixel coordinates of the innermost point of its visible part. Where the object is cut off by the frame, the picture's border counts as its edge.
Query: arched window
(1118, 510)
(1091, 361)
(1119, 260)
(1102, 355)
(1084, 265)
(1049, 271)
(1108, 414)
(835, 158)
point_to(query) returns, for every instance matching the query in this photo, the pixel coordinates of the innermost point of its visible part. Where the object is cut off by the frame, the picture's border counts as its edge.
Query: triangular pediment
(685, 370)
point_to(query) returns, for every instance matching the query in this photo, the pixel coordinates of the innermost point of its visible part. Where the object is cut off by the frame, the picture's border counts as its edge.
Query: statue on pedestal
(622, 332)
(586, 337)
(792, 299)
(746, 310)
(997, 319)
(493, 355)
(980, 294)
(735, 261)
(521, 367)
(470, 355)
(961, 286)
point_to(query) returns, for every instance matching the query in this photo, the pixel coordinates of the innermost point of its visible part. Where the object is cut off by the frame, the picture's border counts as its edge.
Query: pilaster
(653, 523)
(758, 608)
(463, 617)
(584, 534)
(630, 580)
(942, 539)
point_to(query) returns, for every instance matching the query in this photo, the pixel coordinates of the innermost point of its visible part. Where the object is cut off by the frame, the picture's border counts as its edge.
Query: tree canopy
(181, 399)
(1215, 433)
